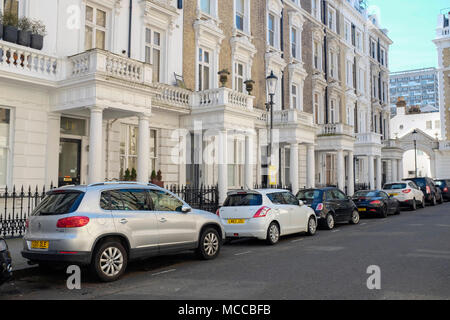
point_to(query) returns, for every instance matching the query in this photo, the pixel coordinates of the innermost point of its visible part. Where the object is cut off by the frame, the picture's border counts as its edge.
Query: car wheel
(433, 201)
(109, 261)
(384, 212)
(414, 205)
(355, 217)
(329, 222)
(273, 233)
(209, 244)
(398, 211)
(312, 226)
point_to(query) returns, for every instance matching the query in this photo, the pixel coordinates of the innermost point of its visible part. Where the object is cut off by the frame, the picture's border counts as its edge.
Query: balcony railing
(29, 62)
(336, 129)
(222, 97)
(368, 138)
(292, 116)
(173, 95)
(98, 61)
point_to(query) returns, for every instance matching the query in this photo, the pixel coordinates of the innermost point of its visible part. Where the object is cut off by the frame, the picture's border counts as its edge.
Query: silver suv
(106, 225)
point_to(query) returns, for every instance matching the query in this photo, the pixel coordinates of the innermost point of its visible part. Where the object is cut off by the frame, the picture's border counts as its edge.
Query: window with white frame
(287, 166)
(5, 116)
(271, 30)
(373, 49)
(334, 64)
(317, 55)
(242, 8)
(204, 69)
(383, 57)
(359, 40)
(206, 6)
(348, 31)
(294, 97)
(332, 115)
(315, 10)
(316, 108)
(153, 52)
(96, 28)
(349, 74)
(361, 80)
(235, 161)
(239, 71)
(295, 47)
(332, 19)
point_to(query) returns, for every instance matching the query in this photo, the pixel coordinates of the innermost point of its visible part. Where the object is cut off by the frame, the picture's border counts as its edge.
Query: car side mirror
(301, 203)
(186, 209)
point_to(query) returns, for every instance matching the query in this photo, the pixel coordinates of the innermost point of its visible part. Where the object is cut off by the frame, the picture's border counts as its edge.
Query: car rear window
(366, 194)
(420, 182)
(309, 195)
(394, 186)
(440, 183)
(59, 202)
(243, 200)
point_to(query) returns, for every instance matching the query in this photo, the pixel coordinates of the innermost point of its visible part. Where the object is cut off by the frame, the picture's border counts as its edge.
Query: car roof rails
(115, 182)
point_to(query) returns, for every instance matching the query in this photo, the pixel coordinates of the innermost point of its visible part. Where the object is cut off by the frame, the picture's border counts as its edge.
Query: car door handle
(163, 220)
(123, 221)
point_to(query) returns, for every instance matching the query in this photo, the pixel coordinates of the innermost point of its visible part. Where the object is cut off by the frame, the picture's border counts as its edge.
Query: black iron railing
(198, 197)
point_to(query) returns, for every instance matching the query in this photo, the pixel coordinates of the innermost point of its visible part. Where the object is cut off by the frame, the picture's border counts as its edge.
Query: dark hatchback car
(376, 202)
(5, 262)
(444, 185)
(331, 206)
(433, 194)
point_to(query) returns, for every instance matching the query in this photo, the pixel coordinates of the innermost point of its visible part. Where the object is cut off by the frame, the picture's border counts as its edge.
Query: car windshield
(308, 195)
(59, 202)
(394, 186)
(242, 200)
(366, 194)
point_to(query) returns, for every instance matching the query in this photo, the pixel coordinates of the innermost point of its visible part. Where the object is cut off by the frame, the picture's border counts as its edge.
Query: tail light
(262, 212)
(445, 189)
(218, 213)
(428, 190)
(375, 202)
(319, 207)
(27, 224)
(406, 191)
(72, 222)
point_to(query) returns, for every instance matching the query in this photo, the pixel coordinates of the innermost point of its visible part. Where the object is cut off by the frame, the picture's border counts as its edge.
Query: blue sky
(412, 26)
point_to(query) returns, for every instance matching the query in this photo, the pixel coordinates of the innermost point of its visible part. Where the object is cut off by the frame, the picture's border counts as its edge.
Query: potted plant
(223, 76)
(24, 35)
(156, 178)
(10, 30)
(38, 32)
(249, 86)
(1, 25)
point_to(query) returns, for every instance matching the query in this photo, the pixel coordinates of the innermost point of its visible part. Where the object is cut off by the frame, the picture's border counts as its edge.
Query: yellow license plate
(236, 221)
(393, 194)
(39, 244)
(362, 209)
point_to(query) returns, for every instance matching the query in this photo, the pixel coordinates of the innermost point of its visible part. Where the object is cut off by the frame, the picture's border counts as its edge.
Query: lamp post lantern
(414, 135)
(271, 82)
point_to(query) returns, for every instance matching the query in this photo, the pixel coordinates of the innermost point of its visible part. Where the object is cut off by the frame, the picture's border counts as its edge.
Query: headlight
(3, 245)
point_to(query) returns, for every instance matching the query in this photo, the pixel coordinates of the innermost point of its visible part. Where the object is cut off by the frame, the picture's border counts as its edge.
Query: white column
(394, 167)
(310, 167)
(143, 159)
(248, 169)
(96, 145)
(293, 168)
(371, 170)
(400, 169)
(341, 170)
(379, 173)
(351, 176)
(53, 142)
(223, 167)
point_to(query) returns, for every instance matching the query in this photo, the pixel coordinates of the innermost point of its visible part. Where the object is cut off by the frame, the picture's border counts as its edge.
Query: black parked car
(376, 202)
(330, 205)
(444, 185)
(5, 262)
(432, 193)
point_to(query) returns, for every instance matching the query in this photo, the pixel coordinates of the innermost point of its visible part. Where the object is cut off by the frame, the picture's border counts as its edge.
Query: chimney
(401, 106)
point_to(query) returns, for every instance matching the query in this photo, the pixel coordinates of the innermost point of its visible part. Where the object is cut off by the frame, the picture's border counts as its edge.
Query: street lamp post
(414, 134)
(271, 82)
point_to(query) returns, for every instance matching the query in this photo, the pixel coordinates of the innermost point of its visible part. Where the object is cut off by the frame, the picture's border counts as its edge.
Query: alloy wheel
(330, 221)
(274, 233)
(312, 226)
(355, 217)
(211, 244)
(111, 261)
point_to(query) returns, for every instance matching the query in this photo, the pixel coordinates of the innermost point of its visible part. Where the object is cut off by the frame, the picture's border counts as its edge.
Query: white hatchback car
(266, 215)
(407, 193)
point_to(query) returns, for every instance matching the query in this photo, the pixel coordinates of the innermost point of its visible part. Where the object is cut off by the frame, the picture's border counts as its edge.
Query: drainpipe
(130, 21)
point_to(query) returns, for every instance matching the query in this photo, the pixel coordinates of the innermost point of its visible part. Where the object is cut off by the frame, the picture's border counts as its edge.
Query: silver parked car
(106, 225)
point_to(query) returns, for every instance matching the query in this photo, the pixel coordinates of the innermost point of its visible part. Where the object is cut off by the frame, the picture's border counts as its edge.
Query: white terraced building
(102, 95)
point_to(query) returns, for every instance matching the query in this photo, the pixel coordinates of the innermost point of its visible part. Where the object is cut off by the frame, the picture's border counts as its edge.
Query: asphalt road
(412, 251)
